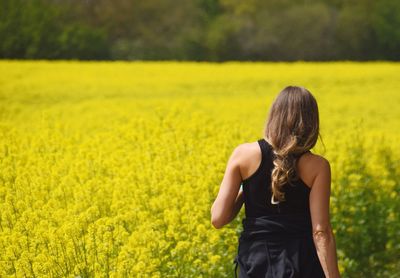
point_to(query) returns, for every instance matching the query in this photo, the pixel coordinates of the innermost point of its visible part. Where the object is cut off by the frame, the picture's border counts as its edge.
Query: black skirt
(277, 246)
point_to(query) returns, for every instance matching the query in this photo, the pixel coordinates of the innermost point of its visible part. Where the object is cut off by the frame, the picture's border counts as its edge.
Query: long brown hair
(292, 129)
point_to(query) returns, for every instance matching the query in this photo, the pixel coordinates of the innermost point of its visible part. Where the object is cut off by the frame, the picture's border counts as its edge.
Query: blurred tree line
(212, 30)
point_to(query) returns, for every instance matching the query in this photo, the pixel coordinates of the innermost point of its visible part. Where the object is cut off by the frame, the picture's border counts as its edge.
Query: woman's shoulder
(248, 149)
(249, 156)
(313, 160)
(310, 165)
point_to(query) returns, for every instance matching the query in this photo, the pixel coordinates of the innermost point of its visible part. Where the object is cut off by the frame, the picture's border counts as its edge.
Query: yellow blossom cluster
(109, 169)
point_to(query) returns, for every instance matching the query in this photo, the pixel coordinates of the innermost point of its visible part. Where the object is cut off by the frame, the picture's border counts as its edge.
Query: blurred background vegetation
(200, 30)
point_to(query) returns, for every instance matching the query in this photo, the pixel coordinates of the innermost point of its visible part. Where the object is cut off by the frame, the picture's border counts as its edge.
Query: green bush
(365, 209)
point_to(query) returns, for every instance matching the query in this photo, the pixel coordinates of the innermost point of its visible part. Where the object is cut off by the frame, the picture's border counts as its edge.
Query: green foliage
(80, 41)
(214, 30)
(27, 29)
(386, 23)
(41, 29)
(365, 201)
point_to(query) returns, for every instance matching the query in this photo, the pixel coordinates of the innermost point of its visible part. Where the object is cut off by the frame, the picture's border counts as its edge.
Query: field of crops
(110, 169)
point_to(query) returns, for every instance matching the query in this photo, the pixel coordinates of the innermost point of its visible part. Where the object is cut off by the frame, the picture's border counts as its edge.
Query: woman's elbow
(217, 217)
(322, 233)
(216, 223)
(217, 220)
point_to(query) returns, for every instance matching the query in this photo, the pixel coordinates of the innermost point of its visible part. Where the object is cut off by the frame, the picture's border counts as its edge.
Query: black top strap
(264, 147)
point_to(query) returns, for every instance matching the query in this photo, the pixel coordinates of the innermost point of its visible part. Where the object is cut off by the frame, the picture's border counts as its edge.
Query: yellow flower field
(109, 169)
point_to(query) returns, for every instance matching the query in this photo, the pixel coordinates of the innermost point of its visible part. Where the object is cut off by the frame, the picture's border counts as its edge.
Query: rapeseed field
(109, 169)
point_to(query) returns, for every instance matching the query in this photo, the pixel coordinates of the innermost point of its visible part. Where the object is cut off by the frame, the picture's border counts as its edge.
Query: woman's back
(276, 240)
(257, 190)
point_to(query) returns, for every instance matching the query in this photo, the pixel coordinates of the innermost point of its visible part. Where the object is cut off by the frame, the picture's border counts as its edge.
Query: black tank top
(276, 240)
(257, 190)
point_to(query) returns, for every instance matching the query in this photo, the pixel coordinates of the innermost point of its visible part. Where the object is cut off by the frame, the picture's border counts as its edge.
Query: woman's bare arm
(237, 206)
(227, 201)
(323, 236)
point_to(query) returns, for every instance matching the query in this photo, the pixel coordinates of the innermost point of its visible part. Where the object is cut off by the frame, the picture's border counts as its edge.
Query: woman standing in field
(286, 192)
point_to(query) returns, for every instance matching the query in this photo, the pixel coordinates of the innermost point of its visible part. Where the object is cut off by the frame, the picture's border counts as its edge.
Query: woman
(286, 191)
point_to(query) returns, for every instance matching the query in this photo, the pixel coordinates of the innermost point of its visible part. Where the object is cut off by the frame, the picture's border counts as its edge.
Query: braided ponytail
(292, 129)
